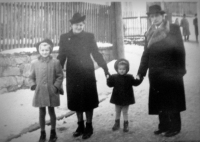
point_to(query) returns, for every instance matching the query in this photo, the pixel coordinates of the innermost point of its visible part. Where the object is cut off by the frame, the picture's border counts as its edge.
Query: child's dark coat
(123, 91)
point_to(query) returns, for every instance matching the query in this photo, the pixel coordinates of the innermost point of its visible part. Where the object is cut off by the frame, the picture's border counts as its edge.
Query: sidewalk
(141, 124)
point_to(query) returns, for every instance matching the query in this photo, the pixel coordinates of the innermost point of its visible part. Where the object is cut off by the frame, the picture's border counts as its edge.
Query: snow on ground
(141, 124)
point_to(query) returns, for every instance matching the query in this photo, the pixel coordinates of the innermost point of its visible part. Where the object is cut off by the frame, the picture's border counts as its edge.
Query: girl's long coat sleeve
(81, 83)
(48, 77)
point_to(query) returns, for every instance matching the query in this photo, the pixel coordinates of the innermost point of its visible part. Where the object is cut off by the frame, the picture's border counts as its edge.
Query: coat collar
(154, 35)
(80, 35)
(47, 59)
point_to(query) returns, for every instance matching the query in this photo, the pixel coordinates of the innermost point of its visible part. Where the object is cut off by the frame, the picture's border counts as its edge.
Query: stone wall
(15, 68)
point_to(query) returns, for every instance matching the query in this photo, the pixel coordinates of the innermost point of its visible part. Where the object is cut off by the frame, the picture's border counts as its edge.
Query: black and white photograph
(99, 71)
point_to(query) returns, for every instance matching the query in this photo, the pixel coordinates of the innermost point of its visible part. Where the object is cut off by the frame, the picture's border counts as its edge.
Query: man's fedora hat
(155, 9)
(77, 18)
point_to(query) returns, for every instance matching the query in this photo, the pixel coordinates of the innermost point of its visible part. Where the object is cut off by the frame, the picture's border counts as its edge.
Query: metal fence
(22, 24)
(134, 22)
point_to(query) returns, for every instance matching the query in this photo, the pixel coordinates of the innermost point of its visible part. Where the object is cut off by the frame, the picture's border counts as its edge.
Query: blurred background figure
(185, 25)
(177, 22)
(195, 22)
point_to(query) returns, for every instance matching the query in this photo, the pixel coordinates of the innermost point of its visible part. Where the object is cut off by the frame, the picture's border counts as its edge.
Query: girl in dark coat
(122, 95)
(164, 56)
(77, 46)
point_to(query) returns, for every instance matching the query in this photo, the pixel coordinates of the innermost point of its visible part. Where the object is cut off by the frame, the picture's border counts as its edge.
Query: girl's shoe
(42, 136)
(53, 136)
(80, 130)
(88, 131)
(126, 129)
(116, 125)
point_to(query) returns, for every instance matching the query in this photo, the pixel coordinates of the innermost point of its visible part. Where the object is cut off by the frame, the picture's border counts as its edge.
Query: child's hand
(107, 74)
(138, 77)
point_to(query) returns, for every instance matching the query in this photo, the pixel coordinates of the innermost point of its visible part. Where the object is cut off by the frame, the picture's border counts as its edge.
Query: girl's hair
(47, 41)
(122, 63)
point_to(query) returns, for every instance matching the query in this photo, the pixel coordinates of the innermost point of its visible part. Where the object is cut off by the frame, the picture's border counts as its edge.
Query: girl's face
(121, 69)
(78, 27)
(156, 19)
(44, 49)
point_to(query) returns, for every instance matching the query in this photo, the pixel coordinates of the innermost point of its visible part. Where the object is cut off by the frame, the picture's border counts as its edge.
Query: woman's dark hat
(47, 41)
(124, 61)
(155, 9)
(77, 18)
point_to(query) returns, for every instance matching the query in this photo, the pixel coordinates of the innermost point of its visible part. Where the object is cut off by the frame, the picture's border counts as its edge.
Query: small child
(122, 95)
(46, 79)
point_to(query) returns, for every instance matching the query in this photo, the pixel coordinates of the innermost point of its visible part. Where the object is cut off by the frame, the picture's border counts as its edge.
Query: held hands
(107, 74)
(138, 77)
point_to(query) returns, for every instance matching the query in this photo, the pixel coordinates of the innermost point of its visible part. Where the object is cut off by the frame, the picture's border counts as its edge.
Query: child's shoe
(53, 136)
(116, 125)
(42, 136)
(126, 129)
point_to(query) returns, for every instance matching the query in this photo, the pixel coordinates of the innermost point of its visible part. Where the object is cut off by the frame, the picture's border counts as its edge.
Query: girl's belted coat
(47, 75)
(164, 57)
(80, 76)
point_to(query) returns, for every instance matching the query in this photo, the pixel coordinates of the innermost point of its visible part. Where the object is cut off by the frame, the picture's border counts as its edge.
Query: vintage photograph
(99, 71)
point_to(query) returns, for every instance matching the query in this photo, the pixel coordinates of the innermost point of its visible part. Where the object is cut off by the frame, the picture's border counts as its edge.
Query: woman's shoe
(158, 132)
(116, 125)
(53, 136)
(171, 133)
(88, 131)
(80, 130)
(42, 136)
(126, 129)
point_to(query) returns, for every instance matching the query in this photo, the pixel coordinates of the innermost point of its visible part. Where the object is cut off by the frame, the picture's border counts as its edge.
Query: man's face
(156, 18)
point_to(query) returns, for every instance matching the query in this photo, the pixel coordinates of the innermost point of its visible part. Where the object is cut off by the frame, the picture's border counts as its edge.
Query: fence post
(117, 30)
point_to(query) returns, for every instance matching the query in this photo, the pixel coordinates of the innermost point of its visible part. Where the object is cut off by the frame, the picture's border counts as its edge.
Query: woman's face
(44, 49)
(78, 27)
(156, 18)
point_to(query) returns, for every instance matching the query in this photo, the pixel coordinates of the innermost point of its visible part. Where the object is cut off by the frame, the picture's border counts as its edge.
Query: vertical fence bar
(11, 22)
(7, 26)
(3, 26)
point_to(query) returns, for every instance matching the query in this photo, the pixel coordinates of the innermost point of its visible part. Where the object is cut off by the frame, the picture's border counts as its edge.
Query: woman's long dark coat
(81, 83)
(165, 60)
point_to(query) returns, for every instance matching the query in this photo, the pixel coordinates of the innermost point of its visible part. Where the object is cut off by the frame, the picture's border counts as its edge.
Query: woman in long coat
(164, 57)
(77, 46)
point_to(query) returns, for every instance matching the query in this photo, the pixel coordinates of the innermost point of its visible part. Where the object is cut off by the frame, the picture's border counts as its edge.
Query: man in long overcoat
(185, 25)
(164, 57)
(196, 30)
(77, 46)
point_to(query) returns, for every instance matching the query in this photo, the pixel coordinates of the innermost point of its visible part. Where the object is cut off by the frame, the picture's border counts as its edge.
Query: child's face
(44, 49)
(121, 69)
